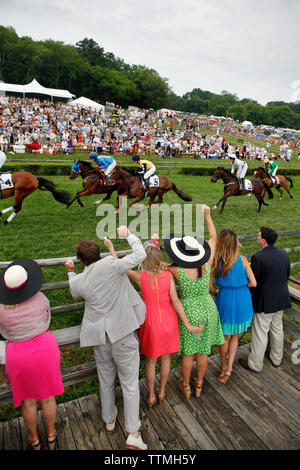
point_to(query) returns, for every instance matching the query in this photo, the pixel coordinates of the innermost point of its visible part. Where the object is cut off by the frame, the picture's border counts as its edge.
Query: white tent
(87, 103)
(35, 87)
(247, 124)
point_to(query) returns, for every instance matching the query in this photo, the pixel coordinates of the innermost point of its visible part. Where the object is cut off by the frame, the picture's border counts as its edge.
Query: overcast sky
(250, 48)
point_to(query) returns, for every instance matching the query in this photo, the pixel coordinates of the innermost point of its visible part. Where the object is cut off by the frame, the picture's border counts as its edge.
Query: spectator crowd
(50, 127)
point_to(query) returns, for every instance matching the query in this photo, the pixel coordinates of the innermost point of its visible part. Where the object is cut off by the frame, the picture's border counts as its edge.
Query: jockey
(107, 164)
(2, 161)
(271, 168)
(147, 169)
(241, 168)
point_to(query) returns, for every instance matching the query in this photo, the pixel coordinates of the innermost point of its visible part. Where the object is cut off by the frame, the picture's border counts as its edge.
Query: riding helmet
(136, 158)
(93, 155)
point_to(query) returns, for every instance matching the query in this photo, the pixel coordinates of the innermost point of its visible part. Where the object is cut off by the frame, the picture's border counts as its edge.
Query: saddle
(274, 179)
(246, 185)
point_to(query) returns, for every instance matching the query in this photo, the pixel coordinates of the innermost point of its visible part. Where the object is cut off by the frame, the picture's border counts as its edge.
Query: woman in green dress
(192, 259)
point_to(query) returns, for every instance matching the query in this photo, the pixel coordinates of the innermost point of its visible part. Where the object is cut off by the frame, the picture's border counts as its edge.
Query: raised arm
(211, 231)
(135, 258)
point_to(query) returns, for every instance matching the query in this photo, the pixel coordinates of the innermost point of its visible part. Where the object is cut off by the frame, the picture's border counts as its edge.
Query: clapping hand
(123, 231)
(70, 266)
(108, 243)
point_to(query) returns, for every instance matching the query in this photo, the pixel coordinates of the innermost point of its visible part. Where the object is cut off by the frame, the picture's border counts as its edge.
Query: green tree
(8, 37)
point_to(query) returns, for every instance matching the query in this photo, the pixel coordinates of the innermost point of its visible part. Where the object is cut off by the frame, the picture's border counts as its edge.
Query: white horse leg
(9, 219)
(98, 202)
(8, 209)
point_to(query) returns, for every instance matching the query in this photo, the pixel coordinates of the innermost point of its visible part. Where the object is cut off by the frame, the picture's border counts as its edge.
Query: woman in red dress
(159, 335)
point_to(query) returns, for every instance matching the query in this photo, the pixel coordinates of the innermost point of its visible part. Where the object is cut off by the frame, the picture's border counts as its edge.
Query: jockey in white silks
(241, 166)
(2, 161)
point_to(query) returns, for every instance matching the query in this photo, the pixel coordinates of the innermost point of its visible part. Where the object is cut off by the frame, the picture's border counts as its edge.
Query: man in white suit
(113, 311)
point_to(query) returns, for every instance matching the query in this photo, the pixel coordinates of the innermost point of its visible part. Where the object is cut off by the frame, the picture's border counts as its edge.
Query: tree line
(86, 69)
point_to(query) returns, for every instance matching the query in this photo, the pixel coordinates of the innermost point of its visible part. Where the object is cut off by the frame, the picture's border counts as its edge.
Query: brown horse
(264, 176)
(130, 184)
(232, 187)
(25, 183)
(92, 182)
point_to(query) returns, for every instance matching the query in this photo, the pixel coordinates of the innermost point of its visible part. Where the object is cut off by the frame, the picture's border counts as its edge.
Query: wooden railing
(67, 337)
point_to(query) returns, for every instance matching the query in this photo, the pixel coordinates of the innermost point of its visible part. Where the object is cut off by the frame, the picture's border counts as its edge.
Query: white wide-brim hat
(187, 251)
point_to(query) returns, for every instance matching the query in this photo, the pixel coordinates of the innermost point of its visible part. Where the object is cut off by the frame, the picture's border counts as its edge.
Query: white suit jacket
(112, 305)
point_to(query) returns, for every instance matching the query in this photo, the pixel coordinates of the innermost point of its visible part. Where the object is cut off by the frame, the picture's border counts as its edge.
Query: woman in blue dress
(233, 275)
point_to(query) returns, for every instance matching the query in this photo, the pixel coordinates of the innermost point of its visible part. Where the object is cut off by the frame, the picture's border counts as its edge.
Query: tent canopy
(87, 103)
(35, 87)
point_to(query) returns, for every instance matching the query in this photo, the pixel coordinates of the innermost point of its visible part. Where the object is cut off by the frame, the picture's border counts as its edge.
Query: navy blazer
(271, 268)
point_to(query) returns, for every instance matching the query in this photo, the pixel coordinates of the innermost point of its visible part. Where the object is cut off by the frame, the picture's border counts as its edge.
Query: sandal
(160, 397)
(222, 375)
(226, 377)
(198, 389)
(186, 390)
(52, 440)
(151, 403)
(36, 446)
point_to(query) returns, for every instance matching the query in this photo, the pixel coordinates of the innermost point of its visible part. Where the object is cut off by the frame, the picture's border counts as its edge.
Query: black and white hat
(187, 251)
(21, 280)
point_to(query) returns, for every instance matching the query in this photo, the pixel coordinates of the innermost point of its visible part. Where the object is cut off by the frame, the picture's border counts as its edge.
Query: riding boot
(147, 180)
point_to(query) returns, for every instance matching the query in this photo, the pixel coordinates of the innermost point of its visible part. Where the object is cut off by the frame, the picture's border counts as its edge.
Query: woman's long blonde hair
(227, 251)
(153, 263)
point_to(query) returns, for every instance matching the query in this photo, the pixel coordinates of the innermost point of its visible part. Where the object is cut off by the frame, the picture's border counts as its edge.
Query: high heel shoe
(36, 446)
(185, 390)
(222, 375)
(198, 389)
(226, 377)
(52, 441)
(160, 397)
(151, 403)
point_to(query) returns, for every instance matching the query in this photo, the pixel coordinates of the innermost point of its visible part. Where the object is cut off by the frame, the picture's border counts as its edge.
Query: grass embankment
(45, 229)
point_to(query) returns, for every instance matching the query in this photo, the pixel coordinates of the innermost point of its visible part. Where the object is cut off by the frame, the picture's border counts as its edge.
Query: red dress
(159, 334)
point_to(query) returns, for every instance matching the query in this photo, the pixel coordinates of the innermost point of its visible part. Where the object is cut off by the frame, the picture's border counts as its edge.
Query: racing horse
(232, 187)
(92, 183)
(264, 176)
(130, 184)
(23, 184)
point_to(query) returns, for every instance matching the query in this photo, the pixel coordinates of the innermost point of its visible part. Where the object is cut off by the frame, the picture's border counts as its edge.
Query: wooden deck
(252, 412)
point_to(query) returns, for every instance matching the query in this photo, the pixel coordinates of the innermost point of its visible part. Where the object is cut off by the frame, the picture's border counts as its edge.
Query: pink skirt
(33, 368)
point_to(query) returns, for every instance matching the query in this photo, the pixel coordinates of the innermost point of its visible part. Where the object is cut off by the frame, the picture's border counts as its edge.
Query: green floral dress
(200, 308)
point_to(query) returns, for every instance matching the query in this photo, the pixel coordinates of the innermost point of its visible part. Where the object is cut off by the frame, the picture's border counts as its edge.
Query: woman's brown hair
(226, 253)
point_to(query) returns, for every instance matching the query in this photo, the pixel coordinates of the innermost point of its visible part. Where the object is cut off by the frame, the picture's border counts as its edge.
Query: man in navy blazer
(271, 268)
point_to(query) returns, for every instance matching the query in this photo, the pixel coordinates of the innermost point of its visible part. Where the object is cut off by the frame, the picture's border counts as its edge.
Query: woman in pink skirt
(32, 355)
(159, 335)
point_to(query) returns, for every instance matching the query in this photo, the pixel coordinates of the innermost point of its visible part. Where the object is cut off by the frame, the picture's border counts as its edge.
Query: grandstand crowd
(47, 127)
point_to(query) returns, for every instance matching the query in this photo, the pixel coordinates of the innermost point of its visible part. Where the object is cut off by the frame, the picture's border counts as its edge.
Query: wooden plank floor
(252, 412)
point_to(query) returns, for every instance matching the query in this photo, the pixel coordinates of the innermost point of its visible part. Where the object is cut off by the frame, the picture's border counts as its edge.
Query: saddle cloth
(6, 181)
(153, 182)
(246, 185)
(275, 179)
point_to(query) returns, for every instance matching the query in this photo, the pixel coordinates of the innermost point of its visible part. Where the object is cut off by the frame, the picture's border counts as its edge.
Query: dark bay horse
(25, 183)
(92, 182)
(232, 187)
(283, 181)
(126, 178)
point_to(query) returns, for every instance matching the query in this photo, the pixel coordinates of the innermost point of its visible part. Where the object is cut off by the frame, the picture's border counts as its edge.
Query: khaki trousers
(123, 357)
(262, 325)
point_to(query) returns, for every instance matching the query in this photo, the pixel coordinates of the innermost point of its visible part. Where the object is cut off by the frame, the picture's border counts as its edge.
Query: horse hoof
(116, 211)
(214, 208)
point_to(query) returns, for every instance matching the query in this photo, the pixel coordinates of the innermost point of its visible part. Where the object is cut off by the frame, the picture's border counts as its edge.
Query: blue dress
(234, 299)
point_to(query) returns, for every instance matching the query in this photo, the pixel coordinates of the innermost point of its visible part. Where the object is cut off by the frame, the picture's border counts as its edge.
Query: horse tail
(59, 196)
(270, 194)
(290, 180)
(181, 194)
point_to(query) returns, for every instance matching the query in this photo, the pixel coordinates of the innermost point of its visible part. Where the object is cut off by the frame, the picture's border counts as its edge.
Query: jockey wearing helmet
(241, 168)
(107, 164)
(2, 161)
(271, 168)
(147, 169)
